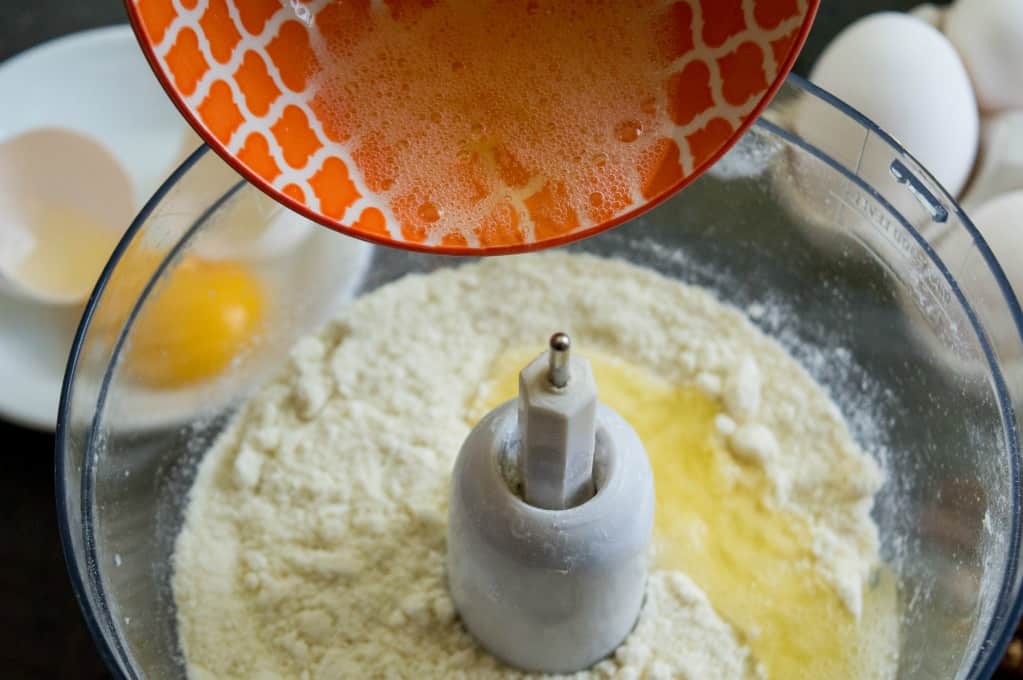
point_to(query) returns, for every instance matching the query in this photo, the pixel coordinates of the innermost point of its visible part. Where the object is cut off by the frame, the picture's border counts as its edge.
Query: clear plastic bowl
(832, 252)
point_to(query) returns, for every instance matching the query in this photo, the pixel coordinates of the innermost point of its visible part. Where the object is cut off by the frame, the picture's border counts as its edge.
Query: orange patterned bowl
(489, 127)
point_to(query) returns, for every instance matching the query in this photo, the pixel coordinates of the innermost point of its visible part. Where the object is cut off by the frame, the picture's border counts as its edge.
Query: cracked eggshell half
(253, 226)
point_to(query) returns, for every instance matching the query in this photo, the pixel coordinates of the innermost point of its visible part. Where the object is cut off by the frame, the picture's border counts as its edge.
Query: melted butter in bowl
(717, 521)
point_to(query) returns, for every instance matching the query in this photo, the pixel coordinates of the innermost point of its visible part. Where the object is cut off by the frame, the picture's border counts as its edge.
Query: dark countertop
(45, 636)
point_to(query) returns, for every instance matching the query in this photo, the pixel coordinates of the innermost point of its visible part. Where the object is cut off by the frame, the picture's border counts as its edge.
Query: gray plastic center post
(550, 521)
(558, 428)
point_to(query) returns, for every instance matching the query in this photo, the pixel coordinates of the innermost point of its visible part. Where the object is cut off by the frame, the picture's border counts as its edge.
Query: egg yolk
(199, 320)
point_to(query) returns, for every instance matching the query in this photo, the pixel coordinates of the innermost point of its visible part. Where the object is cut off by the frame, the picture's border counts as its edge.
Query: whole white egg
(903, 74)
(1000, 164)
(989, 37)
(1000, 223)
(952, 343)
(932, 14)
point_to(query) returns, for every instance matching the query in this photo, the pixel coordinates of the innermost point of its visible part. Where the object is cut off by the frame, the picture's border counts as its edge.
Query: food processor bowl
(830, 252)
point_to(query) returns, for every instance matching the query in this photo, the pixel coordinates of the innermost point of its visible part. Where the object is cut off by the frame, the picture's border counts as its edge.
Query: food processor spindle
(549, 527)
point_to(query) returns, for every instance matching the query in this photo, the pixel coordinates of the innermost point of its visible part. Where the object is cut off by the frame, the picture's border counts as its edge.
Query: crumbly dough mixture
(313, 545)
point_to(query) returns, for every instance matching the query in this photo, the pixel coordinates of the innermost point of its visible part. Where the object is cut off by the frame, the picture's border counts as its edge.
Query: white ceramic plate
(97, 83)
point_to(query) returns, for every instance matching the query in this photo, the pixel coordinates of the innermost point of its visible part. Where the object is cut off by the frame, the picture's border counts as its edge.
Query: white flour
(314, 540)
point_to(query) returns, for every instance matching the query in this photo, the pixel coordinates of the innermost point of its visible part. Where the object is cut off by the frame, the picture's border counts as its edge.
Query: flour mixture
(314, 542)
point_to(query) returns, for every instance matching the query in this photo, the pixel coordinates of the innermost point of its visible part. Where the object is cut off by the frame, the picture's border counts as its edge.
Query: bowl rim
(1009, 607)
(768, 95)
(79, 571)
(87, 585)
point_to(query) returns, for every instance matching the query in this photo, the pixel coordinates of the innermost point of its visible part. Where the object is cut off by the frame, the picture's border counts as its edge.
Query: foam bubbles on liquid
(494, 118)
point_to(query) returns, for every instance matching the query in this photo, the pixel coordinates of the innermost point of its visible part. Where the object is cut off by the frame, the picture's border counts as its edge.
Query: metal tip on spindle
(561, 346)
